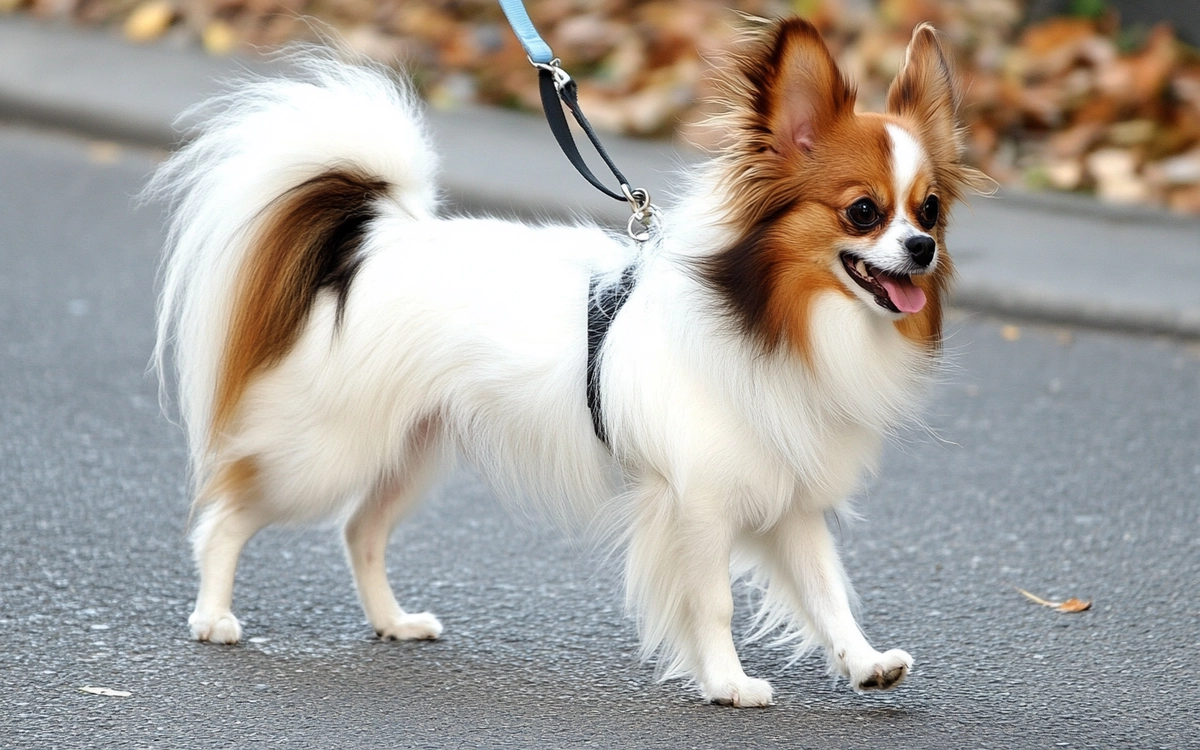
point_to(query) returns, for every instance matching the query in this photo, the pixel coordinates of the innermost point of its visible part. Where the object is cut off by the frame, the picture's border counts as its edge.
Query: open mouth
(893, 292)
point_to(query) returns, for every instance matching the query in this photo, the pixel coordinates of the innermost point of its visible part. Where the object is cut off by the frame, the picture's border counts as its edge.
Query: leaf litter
(1079, 102)
(1068, 605)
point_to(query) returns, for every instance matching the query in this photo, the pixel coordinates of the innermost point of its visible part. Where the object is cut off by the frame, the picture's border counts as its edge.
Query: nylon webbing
(551, 96)
(602, 310)
(522, 26)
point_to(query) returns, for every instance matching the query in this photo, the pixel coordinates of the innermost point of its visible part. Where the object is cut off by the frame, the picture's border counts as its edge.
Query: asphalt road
(1066, 462)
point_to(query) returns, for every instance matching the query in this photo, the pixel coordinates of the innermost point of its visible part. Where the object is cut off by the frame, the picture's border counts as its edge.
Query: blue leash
(557, 85)
(603, 304)
(535, 47)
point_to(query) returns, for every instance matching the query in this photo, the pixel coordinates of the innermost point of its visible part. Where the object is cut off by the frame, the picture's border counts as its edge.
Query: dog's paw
(884, 672)
(743, 692)
(220, 627)
(422, 626)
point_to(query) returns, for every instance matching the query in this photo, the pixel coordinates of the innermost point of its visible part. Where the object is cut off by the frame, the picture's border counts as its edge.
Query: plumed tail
(307, 240)
(269, 205)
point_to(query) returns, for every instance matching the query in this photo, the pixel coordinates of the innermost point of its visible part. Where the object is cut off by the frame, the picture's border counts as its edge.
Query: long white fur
(469, 335)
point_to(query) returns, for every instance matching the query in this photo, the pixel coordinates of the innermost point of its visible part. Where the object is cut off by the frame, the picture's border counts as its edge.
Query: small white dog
(337, 341)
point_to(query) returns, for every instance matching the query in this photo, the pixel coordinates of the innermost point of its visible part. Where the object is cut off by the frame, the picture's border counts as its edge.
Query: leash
(556, 86)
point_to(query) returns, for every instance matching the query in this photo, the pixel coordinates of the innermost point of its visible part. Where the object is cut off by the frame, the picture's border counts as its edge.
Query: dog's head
(823, 199)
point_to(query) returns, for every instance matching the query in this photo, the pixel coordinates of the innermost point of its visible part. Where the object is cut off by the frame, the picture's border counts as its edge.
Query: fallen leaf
(149, 20)
(1131, 132)
(1074, 605)
(1186, 200)
(1070, 605)
(218, 38)
(1183, 169)
(1064, 174)
(1115, 172)
(106, 691)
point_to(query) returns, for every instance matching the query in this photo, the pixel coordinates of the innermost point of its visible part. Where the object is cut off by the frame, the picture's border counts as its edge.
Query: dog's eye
(928, 215)
(863, 213)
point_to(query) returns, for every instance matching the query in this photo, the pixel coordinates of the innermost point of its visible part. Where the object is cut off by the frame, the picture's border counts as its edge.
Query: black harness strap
(602, 310)
(557, 90)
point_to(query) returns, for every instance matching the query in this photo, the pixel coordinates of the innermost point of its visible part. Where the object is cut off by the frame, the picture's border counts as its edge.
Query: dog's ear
(801, 87)
(925, 91)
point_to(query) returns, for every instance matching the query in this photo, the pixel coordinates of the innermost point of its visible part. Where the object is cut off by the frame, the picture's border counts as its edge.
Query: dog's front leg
(805, 561)
(678, 578)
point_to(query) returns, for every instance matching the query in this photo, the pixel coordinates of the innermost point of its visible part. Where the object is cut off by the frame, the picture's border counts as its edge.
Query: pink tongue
(906, 296)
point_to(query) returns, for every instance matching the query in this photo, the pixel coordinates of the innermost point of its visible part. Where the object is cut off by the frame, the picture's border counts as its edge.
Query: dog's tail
(270, 203)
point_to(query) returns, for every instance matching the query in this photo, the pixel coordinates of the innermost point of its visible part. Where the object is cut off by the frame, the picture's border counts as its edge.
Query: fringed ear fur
(925, 90)
(804, 91)
(927, 96)
(781, 95)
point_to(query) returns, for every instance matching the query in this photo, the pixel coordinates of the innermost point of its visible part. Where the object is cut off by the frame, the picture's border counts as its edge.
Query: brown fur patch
(797, 156)
(307, 240)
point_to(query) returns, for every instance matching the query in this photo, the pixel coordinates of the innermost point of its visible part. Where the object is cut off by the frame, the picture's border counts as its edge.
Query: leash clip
(554, 67)
(558, 90)
(645, 213)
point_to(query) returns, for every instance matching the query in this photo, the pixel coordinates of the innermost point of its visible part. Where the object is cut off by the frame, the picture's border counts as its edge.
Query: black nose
(921, 248)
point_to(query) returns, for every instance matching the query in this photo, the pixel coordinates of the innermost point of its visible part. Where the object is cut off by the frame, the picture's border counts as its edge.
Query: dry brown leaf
(1070, 605)
(1074, 605)
(149, 20)
(218, 38)
(1186, 199)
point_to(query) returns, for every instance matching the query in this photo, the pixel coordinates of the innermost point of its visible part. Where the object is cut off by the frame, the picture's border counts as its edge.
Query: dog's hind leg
(231, 516)
(804, 560)
(678, 576)
(366, 536)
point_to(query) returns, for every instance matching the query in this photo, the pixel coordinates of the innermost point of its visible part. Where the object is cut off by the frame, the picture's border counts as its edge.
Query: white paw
(742, 692)
(418, 627)
(884, 672)
(220, 627)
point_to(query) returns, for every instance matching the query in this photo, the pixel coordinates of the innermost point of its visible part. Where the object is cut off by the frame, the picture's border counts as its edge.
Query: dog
(338, 343)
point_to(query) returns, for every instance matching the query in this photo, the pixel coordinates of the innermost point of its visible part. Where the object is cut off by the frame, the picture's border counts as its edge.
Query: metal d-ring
(638, 198)
(644, 214)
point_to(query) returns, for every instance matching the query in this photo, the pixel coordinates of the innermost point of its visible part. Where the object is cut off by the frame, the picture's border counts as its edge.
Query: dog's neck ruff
(603, 306)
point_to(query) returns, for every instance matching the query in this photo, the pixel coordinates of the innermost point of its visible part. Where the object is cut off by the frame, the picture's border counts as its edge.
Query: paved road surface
(1068, 464)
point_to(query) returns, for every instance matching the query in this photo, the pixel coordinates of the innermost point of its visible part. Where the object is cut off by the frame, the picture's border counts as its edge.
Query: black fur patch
(346, 203)
(742, 276)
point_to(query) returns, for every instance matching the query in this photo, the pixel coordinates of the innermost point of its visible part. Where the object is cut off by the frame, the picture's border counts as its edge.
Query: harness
(557, 89)
(603, 307)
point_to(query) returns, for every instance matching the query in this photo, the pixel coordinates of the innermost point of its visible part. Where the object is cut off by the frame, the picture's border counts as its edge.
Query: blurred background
(1092, 96)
